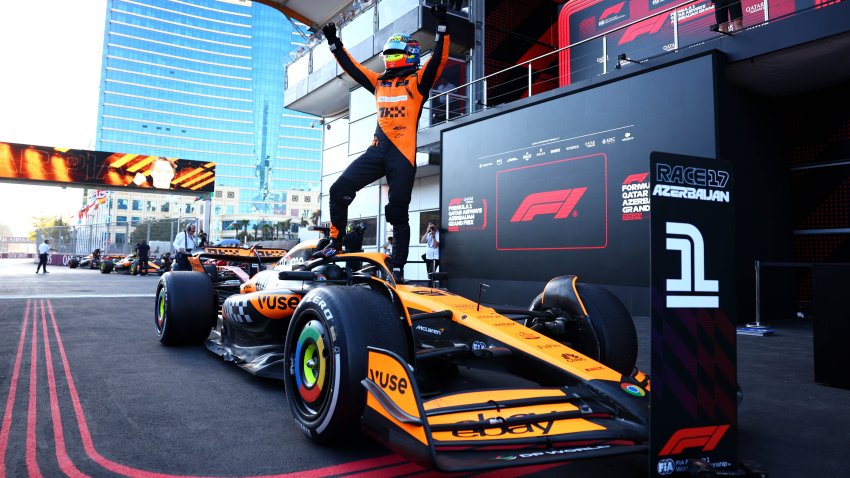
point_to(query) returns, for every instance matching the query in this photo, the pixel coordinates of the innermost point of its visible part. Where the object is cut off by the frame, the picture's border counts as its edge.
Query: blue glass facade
(204, 80)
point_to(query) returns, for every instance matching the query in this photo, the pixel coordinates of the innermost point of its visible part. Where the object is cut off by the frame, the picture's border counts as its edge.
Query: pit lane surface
(87, 390)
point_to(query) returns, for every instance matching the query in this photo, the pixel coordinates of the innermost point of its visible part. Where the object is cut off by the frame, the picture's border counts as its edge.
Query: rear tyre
(106, 267)
(134, 268)
(74, 263)
(607, 335)
(326, 357)
(185, 308)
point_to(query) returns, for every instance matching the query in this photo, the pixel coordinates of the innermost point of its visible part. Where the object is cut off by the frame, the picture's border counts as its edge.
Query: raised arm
(362, 75)
(434, 66)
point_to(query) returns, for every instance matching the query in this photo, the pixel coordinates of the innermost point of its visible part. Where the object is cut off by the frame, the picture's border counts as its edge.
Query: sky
(50, 52)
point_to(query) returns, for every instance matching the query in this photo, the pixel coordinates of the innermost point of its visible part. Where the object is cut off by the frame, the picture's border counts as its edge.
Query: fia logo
(691, 289)
(666, 467)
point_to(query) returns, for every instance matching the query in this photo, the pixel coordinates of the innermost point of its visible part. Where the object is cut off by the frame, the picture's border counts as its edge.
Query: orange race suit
(400, 95)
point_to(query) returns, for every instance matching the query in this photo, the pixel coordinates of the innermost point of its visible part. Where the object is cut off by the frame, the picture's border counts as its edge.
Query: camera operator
(432, 252)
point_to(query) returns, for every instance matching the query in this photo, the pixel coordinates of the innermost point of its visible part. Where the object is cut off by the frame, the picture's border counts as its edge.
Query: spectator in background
(202, 239)
(43, 254)
(143, 251)
(184, 243)
(723, 10)
(353, 241)
(388, 246)
(432, 253)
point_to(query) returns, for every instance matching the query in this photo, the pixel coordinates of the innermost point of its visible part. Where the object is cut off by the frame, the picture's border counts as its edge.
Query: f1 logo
(560, 203)
(697, 289)
(705, 438)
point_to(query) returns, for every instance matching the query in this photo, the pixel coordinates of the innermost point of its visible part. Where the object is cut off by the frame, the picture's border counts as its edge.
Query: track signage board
(103, 169)
(694, 382)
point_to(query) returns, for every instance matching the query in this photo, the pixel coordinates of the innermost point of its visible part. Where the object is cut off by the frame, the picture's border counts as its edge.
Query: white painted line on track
(73, 296)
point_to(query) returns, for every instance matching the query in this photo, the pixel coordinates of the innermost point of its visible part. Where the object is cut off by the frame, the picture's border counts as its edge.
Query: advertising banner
(694, 378)
(648, 33)
(106, 170)
(562, 187)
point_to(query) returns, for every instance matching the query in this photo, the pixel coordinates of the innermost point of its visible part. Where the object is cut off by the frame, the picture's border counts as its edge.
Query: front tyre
(185, 308)
(606, 335)
(326, 357)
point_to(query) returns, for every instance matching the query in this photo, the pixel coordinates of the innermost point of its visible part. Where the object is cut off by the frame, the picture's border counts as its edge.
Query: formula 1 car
(443, 380)
(129, 264)
(91, 261)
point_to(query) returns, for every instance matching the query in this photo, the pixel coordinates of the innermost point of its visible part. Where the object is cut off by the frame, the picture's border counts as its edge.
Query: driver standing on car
(400, 93)
(184, 243)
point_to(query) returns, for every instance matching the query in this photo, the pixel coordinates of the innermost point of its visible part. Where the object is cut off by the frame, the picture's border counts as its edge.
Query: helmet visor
(394, 57)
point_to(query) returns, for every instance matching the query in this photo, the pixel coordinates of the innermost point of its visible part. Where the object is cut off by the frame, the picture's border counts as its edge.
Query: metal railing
(690, 20)
(114, 237)
(689, 27)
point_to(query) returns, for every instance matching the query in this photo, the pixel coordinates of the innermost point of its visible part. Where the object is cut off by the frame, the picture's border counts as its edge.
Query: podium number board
(694, 408)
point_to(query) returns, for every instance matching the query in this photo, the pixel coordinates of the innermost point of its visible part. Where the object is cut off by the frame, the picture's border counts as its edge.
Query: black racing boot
(398, 275)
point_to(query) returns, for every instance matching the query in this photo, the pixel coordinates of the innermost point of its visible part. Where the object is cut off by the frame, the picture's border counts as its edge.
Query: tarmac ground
(87, 390)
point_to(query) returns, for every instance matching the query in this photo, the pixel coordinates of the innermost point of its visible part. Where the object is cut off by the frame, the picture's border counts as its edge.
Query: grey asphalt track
(105, 398)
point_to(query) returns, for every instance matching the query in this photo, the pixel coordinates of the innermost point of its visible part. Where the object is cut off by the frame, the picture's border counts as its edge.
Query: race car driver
(400, 91)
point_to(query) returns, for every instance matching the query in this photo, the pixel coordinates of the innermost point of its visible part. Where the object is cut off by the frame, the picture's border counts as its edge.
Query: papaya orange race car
(443, 380)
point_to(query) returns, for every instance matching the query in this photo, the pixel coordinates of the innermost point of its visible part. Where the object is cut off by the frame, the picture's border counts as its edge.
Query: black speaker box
(830, 285)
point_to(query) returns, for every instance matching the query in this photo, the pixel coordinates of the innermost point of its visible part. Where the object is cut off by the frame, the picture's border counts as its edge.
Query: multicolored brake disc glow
(310, 362)
(160, 318)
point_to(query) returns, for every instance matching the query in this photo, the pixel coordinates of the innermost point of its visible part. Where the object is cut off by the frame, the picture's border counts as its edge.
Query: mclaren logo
(560, 203)
(429, 330)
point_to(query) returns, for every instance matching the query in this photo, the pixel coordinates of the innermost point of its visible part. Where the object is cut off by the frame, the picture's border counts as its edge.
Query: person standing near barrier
(43, 254)
(432, 252)
(400, 93)
(143, 251)
(723, 11)
(184, 243)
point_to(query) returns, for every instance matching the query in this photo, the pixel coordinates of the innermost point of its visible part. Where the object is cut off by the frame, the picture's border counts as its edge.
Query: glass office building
(204, 80)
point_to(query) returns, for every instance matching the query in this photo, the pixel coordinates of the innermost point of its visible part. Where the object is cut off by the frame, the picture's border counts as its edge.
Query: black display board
(694, 376)
(832, 324)
(562, 187)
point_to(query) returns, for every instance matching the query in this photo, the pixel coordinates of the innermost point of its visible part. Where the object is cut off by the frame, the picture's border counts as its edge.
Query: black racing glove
(438, 9)
(330, 33)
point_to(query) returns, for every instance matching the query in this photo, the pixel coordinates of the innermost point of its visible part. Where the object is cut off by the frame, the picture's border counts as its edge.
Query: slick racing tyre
(74, 263)
(607, 335)
(185, 309)
(106, 267)
(325, 356)
(134, 268)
